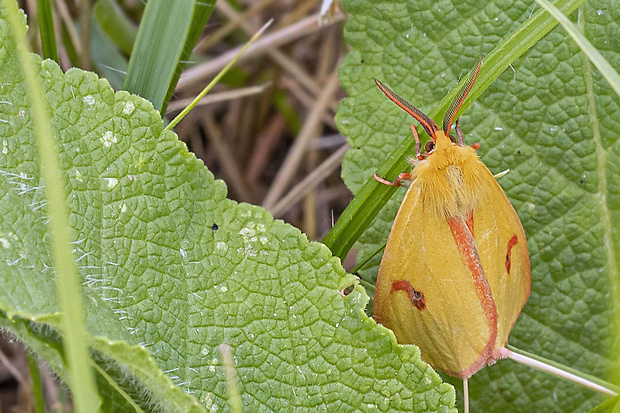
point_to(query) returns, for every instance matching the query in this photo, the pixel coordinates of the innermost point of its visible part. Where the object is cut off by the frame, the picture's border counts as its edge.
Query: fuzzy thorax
(449, 179)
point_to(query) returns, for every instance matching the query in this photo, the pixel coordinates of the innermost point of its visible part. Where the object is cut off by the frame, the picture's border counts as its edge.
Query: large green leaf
(609, 406)
(553, 121)
(171, 269)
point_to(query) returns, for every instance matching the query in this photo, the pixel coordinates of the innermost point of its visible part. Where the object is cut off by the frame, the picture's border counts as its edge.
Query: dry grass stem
(310, 182)
(329, 141)
(15, 372)
(308, 131)
(282, 59)
(294, 87)
(85, 16)
(269, 41)
(218, 97)
(266, 142)
(232, 24)
(234, 176)
(65, 15)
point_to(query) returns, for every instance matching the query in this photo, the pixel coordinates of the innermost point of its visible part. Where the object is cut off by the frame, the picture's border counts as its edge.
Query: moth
(455, 273)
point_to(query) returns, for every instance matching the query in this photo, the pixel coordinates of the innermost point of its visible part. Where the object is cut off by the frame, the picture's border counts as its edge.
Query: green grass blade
(69, 292)
(72, 52)
(228, 364)
(373, 195)
(115, 23)
(107, 59)
(37, 383)
(167, 33)
(46, 27)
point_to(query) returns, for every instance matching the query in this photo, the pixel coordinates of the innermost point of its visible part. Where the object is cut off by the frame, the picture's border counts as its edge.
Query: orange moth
(456, 271)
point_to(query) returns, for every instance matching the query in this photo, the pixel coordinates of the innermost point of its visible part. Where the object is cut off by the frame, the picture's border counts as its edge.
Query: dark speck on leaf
(581, 181)
(214, 227)
(362, 61)
(519, 152)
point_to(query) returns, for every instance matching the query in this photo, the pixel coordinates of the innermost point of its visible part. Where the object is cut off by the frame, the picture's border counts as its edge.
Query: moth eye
(430, 145)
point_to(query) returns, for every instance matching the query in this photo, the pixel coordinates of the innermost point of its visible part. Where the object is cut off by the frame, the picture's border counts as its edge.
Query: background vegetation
(171, 265)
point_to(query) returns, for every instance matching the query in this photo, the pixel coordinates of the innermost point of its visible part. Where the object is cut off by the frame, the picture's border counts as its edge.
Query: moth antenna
(460, 97)
(427, 123)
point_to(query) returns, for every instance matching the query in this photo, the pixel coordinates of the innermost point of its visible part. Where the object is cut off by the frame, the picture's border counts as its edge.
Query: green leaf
(608, 406)
(372, 196)
(586, 47)
(171, 269)
(552, 121)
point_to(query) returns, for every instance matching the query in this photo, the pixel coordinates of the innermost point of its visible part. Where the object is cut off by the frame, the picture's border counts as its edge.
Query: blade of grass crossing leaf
(608, 72)
(217, 78)
(74, 334)
(167, 33)
(117, 388)
(371, 198)
(232, 385)
(360, 265)
(46, 29)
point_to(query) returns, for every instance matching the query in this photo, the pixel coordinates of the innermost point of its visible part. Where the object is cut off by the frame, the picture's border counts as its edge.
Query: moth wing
(452, 329)
(502, 248)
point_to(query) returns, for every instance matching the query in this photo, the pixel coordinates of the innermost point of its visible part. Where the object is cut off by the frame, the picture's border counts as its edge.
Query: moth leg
(418, 145)
(397, 182)
(459, 133)
(404, 176)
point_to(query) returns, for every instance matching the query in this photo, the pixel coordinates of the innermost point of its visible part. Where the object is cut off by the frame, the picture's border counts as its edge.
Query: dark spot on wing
(416, 297)
(511, 243)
